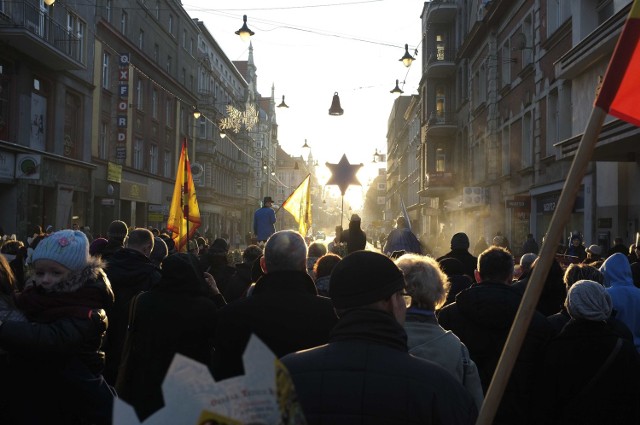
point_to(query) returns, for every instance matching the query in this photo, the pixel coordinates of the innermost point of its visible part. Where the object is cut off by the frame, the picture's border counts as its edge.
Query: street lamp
(396, 90)
(283, 104)
(407, 59)
(49, 2)
(244, 32)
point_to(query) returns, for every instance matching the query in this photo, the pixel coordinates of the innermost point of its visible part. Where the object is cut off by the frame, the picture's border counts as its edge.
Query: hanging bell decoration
(336, 109)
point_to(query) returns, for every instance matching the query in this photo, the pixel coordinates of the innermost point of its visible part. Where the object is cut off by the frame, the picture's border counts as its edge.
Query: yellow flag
(299, 205)
(184, 215)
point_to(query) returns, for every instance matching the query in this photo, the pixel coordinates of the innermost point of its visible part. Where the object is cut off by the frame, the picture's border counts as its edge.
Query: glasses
(407, 299)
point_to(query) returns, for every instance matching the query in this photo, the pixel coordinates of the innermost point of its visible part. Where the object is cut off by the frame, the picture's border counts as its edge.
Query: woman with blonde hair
(428, 287)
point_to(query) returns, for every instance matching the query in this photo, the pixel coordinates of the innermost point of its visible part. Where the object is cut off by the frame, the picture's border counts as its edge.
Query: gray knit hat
(588, 300)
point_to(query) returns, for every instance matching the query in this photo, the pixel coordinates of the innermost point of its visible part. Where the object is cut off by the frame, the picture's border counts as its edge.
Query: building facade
(47, 59)
(506, 90)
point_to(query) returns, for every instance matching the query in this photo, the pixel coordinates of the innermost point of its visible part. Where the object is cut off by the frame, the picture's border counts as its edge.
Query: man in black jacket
(365, 374)
(130, 272)
(284, 309)
(460, 251)
(482, 316)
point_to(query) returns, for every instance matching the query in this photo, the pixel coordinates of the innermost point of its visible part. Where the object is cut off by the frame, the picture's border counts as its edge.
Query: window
(76, 30)
(158, 9)
(184, 76)
(138, 160)
(440, 47)
(124, 18)
(156, 53)
(191, 47)
(171, 24)
(184, 39)
(553, 124)
(106, 71)
(558, 12)
(167, 166)
(506, 150)
(139, 95)
(154, 103)
(103, 141)
(605, 10)
(168, 65)
(527, 148)
(440, 104)
(441, 159)
(153, 159)
(527, 41)
(168, 111)
(72, 126)
(108, 10)
(141, 39)
(506, 64)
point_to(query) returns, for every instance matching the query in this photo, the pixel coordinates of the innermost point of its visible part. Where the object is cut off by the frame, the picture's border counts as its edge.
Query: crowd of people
(367, 337)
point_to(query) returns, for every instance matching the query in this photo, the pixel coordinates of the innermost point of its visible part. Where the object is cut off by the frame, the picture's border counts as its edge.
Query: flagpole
(185, 197)
(547, 254)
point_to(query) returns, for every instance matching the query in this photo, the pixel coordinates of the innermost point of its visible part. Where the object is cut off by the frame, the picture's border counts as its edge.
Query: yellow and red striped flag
(184, 214)
(620, 91)
(299, 205)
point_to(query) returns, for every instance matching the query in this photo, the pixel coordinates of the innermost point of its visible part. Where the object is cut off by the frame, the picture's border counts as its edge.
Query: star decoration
(343, 174)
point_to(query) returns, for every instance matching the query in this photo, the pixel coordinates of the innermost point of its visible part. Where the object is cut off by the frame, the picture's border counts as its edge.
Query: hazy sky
(310, 49)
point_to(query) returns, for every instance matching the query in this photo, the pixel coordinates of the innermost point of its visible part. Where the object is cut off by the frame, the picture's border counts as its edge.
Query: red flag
(620, 92)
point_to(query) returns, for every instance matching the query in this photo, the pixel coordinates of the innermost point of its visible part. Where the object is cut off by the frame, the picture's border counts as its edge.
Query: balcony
(441, 63)
(438, 183)
(440, 124)
(441, 11)
(28, 29)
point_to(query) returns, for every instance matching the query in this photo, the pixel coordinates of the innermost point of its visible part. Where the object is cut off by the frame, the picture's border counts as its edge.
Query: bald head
(285, 250)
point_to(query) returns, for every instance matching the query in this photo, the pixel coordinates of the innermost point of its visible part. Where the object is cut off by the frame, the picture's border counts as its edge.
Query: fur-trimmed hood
(77, 279)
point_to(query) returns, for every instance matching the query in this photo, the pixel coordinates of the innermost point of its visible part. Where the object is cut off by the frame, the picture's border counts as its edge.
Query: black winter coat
(176, 316)
(284, 311)
(365, 375)
(354, 237)
(55, 360)
(130, 272)
(469, 261)
(571, 361)
(482, 317)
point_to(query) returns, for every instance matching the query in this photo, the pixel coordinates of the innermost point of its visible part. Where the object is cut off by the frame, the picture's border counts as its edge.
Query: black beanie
(364, 277)
(460, 241)
(117, 230)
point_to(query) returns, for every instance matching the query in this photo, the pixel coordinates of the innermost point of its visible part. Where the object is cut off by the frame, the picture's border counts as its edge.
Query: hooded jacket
(624, 294)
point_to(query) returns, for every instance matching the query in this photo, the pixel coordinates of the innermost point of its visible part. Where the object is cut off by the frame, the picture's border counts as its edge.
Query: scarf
(45, 307)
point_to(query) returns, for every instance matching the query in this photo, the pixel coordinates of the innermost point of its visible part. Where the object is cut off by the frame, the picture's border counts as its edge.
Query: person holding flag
(184, 214)
(402, 239)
